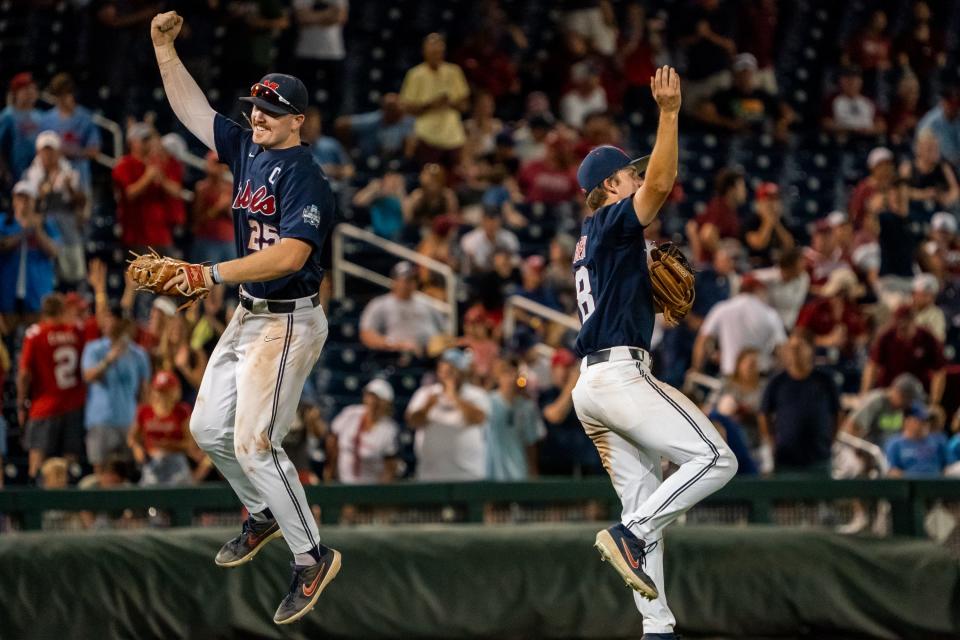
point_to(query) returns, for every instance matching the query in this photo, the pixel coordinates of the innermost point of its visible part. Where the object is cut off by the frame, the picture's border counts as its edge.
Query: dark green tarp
(527, 581)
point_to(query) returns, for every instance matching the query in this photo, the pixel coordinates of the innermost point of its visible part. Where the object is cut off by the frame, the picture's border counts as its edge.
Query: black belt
(278, 306)
(604, 355)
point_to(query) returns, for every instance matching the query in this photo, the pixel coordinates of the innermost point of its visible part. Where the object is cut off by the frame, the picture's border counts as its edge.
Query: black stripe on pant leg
(273, 417)
(692, 423)
(702, 472)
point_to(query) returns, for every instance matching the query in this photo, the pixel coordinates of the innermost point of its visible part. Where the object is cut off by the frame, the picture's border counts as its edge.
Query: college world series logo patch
(311, 215)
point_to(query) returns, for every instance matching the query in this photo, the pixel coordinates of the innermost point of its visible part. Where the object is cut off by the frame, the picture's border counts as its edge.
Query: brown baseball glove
(152, 272)
(672, 281)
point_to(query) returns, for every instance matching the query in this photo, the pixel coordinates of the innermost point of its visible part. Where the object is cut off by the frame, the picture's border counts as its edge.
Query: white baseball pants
(634, 419)
(247, 402)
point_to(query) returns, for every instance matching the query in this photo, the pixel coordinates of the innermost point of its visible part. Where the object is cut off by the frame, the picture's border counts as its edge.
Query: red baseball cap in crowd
(74, 299)
(477, 314)
(562, 358)
(767, 191)
(21, 81)
(165, 381)
(751, 283)
(535, 262)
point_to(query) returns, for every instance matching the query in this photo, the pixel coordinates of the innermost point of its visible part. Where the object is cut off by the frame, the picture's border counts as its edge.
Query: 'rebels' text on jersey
(277, 194)
(614, 298)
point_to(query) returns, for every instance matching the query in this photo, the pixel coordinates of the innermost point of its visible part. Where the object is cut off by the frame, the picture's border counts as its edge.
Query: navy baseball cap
(279, 94)
(603, 162)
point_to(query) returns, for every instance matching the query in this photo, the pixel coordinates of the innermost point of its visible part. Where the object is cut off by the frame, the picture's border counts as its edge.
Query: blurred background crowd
(817, 197)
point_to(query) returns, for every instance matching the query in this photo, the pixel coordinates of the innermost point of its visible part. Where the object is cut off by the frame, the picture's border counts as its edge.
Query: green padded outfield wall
(530, 581)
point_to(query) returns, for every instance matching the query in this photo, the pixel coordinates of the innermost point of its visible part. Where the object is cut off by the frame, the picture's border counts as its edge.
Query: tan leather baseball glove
(152, 272)
(672, 280)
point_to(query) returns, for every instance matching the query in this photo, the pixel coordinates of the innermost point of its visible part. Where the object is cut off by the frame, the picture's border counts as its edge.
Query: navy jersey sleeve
(228, 136)
(618, 222)
(307, 206)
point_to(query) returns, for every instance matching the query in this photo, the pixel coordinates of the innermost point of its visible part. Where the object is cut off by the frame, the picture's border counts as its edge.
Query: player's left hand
(665, 85)
(190, 279)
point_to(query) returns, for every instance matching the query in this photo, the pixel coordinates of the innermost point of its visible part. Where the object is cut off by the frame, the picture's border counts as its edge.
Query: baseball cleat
(253, 537)
(625, 552)
(306, 586)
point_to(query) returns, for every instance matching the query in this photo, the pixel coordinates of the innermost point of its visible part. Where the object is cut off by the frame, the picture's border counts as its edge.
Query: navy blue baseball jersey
(279, 193)
(614, 297)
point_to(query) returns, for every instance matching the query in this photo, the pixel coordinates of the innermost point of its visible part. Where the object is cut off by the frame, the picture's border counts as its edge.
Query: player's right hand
(165, 27)
(665, 86)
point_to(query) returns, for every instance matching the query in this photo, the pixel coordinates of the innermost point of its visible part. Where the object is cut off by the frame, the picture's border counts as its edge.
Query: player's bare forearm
(869, 375)
(665, 157)
(937, 383)
(186, 98)
(286, 257)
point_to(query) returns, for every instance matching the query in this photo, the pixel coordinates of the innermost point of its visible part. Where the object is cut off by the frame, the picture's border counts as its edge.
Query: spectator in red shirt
(880, 162)
(50, 390)
(906, 348)
(554, 179)
(870, 50)
(213, 215)
(147, 183)
(160, 435)
(835, 318)
(720, 219)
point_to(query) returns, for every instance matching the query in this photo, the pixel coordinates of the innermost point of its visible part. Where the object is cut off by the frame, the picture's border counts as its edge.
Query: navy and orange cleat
(625, 552)
(253, 537)
(306, 586)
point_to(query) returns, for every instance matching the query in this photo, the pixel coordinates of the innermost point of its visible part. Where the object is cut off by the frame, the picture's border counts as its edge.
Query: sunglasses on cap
(267, 94)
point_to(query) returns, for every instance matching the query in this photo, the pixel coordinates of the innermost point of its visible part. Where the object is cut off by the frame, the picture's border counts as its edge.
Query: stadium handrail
(909, 498)
(867, 448)
(343, 267)
(116, 132)
(515, 302)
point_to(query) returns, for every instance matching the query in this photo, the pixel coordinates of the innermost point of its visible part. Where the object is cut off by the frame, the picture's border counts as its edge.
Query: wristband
(215, 274)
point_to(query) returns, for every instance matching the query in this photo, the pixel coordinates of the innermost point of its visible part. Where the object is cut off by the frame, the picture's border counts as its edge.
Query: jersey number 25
(585, 303)
(261, 235)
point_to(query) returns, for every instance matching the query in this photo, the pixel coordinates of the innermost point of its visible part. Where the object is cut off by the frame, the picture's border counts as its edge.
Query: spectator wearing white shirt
(60, 196)
(320, 51)
(787, 285)
(397, 321)
(362, 444)
(928, 315)
(742, 322)
(450, 418)
(585, 96)
(850, 112)
(479, 245)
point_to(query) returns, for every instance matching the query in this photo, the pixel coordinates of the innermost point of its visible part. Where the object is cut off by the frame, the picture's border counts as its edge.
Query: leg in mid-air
(276, 352)
(212, 427)
(634, 420)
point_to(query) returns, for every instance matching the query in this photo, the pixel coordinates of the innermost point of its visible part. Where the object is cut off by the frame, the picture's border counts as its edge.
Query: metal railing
(116, 134)
(909, 499)
(343, 267)
(536, 309)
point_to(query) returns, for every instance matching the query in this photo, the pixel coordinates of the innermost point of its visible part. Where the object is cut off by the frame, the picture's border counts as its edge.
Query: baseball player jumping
(633, 418)
(283, 210)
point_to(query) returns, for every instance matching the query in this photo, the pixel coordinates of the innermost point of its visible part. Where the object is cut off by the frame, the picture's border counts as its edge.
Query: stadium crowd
(822, 340)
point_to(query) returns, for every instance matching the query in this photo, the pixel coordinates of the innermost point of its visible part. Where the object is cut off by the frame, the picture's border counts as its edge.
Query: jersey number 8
(585, 304)
(261, 234)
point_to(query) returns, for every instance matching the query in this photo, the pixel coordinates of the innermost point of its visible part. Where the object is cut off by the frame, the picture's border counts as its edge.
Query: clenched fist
(665, 86)
(165, 27)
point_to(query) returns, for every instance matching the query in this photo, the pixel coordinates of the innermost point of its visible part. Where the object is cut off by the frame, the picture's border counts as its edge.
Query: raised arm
(662, 170)
(186, 98)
